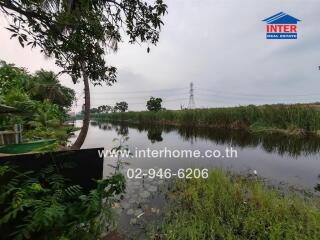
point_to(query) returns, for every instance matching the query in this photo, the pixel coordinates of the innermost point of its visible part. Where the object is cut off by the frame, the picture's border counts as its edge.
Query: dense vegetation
(234, 207)
(40, 100)
(79, 34)
(45, 205)
(295, 119)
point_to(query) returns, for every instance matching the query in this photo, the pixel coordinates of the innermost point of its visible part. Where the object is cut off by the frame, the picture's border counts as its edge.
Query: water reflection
(155, 135)
(317, 187)
(293, 146)
(122, 130)
(103, 126)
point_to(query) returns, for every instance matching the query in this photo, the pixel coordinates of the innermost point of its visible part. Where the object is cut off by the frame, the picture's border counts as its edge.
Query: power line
(137, 97)
(222, 93)
(139, 103)
(207, 95)
(144, 91)
(218, 93)
(229, 101)
(251, 98)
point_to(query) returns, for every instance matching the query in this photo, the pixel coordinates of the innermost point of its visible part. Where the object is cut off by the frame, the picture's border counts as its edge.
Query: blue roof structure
(281, 18)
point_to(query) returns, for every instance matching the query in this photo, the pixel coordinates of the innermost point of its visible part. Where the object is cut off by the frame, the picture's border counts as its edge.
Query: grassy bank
(292, 119)
(234, 207)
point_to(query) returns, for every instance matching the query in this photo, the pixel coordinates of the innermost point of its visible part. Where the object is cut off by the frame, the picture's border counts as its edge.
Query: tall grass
(287, 117)
(234, 207)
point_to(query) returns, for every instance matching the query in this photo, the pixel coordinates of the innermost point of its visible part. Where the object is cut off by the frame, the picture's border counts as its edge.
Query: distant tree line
(119, 107)
(153, 104)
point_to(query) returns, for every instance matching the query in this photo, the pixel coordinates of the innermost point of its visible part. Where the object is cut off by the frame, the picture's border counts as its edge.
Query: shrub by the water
(45, 205)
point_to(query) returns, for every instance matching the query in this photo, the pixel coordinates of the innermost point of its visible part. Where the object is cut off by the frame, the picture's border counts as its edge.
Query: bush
(46, 206)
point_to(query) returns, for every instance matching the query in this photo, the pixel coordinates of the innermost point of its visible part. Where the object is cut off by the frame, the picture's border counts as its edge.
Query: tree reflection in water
(293, 146)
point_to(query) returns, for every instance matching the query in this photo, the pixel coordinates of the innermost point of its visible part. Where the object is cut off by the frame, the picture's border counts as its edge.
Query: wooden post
(18, 132)
(1, 139)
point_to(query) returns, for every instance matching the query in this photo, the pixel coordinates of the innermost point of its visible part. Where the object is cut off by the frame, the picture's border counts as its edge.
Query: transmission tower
(191, 104)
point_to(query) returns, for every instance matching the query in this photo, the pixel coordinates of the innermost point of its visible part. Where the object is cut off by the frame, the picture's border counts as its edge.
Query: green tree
(78, 34)
(12, 77)
(154, 104)
(48, 115)
(104, 109)
(41, 100)
(45, 85)
(121, 106)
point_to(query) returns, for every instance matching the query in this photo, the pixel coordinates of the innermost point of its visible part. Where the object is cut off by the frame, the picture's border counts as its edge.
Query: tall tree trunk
(86, 118)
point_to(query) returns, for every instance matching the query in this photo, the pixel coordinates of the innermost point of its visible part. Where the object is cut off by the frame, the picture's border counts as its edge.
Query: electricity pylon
(191, 104)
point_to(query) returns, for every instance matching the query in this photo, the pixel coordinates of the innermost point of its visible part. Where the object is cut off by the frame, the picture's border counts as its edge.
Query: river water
(281, 160)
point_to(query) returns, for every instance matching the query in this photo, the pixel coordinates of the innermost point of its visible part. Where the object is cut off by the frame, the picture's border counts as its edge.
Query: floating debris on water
(144, 194)
(133, 221)
(140, 215)
(130, 211)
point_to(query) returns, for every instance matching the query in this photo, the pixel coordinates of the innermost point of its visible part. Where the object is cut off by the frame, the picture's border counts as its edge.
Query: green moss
(234, 207)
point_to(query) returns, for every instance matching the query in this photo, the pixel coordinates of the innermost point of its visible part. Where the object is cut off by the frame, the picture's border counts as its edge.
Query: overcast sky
(219, 45)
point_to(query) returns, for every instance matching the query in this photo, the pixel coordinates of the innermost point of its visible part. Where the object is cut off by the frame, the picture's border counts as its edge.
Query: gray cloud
(220, 46)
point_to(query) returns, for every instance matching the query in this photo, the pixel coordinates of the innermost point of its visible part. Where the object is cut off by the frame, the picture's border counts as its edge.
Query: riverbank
(61, 133)
(226, 206)
(287, 119)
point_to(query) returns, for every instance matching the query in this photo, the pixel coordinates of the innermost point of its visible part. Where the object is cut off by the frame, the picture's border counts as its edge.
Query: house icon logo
(281, 26)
